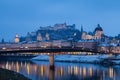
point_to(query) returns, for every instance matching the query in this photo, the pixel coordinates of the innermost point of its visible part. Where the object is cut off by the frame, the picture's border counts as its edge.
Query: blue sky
(22, 16)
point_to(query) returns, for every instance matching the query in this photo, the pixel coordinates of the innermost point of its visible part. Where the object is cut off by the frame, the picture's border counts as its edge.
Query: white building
(39, 37)
(96, 36)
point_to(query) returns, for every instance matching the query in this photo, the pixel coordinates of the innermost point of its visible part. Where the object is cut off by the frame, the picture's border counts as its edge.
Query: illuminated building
(84, 34)
(97, 34)
(17, 39)
(47, 36)
(39, 37)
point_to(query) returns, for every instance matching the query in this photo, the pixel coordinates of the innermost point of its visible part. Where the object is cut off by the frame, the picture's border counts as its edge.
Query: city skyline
(26, 16)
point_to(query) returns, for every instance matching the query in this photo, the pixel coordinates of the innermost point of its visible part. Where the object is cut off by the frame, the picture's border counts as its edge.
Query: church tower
(81, 32)
(17, 39)
(47, 36)
(39, 37)
(98, 32)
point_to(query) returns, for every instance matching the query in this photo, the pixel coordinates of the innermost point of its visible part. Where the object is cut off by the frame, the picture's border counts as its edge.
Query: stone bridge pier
(51, 61)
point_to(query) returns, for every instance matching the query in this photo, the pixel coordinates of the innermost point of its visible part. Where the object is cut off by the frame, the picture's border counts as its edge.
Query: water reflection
(39, 70)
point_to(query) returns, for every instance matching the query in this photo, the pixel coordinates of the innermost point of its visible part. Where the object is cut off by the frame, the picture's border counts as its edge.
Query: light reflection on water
(39, 70)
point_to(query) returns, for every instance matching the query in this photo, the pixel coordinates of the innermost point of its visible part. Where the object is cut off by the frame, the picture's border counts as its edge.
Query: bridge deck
(16, 50)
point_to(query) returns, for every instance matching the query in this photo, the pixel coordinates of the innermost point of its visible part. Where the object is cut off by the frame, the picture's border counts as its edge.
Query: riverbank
(16, 57)
(11, 75)
(95, 59)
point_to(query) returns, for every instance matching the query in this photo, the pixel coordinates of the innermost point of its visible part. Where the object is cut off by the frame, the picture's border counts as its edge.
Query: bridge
(47, 50)
(49, 47)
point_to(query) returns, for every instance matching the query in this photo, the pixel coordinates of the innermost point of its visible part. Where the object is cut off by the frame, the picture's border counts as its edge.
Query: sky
(22, 16)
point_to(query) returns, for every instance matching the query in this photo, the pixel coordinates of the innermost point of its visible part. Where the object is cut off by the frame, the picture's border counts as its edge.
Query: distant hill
(57, 32)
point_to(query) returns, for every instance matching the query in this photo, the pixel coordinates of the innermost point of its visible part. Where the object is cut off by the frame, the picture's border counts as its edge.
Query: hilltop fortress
(61, 32)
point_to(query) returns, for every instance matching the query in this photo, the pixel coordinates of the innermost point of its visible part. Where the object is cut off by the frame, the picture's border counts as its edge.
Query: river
(39, 70)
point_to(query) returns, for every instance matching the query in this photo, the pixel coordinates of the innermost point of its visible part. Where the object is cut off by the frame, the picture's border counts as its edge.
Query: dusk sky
(22, 16)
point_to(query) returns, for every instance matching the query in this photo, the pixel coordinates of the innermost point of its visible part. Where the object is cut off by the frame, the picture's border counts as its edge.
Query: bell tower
(39, 37)
(17, 39)
(47, 36)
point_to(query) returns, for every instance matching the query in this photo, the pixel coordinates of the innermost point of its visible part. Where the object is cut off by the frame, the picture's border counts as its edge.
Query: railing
(48, 49)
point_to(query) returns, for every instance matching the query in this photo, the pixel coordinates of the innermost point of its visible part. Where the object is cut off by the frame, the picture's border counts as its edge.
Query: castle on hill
(61, 32)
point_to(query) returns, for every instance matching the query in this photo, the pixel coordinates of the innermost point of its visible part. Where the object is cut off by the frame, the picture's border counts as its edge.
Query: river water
(39, 70)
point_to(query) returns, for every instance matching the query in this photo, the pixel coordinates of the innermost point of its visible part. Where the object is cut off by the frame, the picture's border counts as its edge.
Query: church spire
(81, 31)
(81, 28)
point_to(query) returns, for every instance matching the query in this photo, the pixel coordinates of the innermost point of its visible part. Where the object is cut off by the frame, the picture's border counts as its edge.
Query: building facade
(17, 39)
(97, 34)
